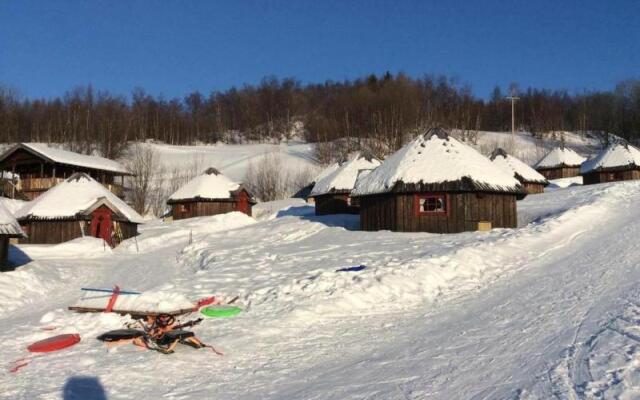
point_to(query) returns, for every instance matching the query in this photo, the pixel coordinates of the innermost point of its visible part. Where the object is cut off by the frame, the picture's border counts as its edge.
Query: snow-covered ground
(547, 310)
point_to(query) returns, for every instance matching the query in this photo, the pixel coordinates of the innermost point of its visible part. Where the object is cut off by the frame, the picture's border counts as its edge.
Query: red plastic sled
(54, 343)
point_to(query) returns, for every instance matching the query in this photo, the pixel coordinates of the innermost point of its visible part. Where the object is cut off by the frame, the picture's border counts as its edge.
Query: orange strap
(112, 300)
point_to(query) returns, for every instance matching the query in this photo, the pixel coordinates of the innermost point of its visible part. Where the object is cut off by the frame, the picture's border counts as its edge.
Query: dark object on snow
(120, 334)
(352, 269)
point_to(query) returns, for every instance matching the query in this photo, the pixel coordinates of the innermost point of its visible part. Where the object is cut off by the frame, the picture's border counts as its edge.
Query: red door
(242, 203)
(101, 224)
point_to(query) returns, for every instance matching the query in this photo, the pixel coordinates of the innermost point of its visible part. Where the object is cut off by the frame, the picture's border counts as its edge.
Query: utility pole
(513, 99)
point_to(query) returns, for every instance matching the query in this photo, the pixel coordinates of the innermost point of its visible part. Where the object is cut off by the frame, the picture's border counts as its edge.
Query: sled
(120, 334)
(54, 343)
(220, 311)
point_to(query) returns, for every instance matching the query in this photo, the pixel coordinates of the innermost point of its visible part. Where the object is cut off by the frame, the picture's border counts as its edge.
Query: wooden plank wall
(334, 204)
(4, 252)
(559, 173)
(533, 188)
(202, 209)
(603, 177)
(51, 232)
(397, 213)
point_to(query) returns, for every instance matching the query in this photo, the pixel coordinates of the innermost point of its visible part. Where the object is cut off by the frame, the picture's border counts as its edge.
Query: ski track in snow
(546, 310)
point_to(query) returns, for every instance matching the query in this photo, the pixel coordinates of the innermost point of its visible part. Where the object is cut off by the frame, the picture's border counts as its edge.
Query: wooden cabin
(210, 194)
(332, 193)
(561, 162)
(618, 162)
(78, 207)
(437, 184)
(532, 181)
(38, 168)
(9, 229)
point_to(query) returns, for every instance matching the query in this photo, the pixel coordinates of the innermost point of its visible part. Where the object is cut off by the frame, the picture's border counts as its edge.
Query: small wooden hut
(332, 193)
(210, 194)
(437, 184)
(561, 162)
(618, 162)
(77, 207)
(9, 229)
(39, 167)
(532, 181)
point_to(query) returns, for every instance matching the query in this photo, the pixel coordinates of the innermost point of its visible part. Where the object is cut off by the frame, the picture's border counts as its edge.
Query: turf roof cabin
(332, 193)
(561, 162)
(618, 162)
(532, 181)
(9, 229)
(41, 167)
(77, 207)
(210, 194)
(437, 184)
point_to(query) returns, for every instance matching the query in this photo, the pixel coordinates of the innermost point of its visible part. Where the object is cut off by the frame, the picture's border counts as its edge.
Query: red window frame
(443, 196)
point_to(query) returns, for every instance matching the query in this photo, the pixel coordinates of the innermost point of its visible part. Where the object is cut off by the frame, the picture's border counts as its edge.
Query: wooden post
(54, 172)
(41, 170)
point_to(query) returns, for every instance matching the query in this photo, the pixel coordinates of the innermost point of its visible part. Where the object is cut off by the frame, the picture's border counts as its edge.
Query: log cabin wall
(50, 232)
(53, 232)
(398, 212)
(335, 203)
(533, 188)
(201, 208)
(559, 173)
(4, 252)
(603, 177)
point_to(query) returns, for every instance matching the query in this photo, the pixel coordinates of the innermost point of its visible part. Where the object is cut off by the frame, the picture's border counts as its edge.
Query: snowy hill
(513, 313)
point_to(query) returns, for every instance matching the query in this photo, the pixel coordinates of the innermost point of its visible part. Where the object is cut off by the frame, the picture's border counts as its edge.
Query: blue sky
(175, 47)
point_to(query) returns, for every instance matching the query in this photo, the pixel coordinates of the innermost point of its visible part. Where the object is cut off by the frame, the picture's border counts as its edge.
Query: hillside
(431, 316)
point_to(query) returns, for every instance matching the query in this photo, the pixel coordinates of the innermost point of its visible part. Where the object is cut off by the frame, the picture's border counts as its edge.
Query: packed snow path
(547, 310)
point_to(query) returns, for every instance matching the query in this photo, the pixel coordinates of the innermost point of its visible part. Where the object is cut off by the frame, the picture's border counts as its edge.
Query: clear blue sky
(174, 47)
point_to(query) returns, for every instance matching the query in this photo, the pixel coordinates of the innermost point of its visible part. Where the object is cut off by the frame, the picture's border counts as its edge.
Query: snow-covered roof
(616, 156)
(8, 224)
(77, 195)
(520, 170)
(211, 185)
(435, 161)
(559, 157)
(66, 157)
(344, 177)
(327, 171)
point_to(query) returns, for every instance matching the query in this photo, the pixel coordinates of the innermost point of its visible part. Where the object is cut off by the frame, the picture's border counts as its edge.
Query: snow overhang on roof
(560, 157)
(616, 157)
(65, 157)
(210, 186)
(343, 179)
(519, 169)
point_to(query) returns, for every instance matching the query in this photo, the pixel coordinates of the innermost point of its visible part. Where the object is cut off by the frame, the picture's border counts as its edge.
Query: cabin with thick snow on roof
(617, 162)
(77, 207)
(39, 167)
(532, 181)
(332, 193)
(9, 229)
(437, 184)
(561, 162)
(210, 194)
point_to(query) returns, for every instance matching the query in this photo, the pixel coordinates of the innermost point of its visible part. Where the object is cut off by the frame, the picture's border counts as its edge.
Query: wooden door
(101, 224)
(242, 203)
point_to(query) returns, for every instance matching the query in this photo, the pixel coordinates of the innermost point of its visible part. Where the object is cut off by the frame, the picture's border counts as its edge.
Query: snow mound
(156, 301)
(158, 234)
(344, 177)
(436, 158)
(86, 247)
(561, 156)
(617, 155)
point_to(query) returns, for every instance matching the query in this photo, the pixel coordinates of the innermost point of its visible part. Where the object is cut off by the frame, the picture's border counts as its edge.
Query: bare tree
(143, 162)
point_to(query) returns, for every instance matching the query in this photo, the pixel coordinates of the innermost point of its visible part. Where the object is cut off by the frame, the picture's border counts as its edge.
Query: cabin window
(183, 208)
(432, 204)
